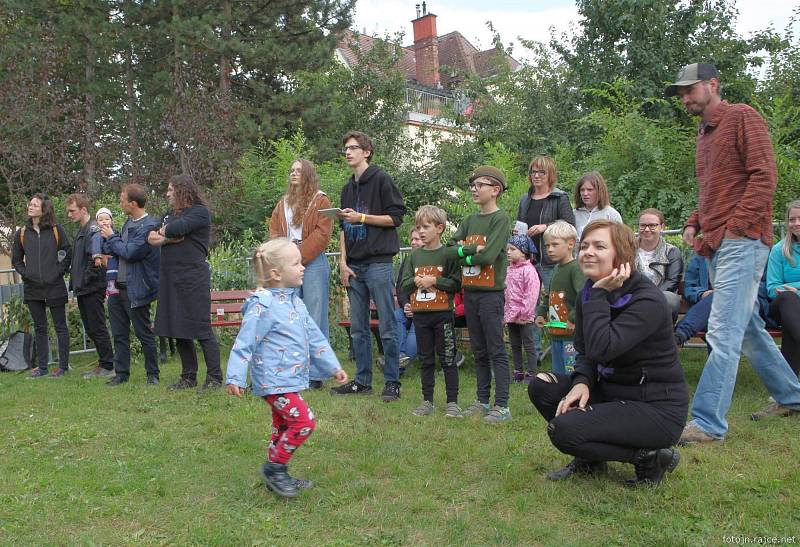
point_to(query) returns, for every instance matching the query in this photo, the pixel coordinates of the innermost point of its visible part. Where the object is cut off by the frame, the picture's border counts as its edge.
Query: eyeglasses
(477, 185)
(651, 227)
(350, 148)
(293, 171)
(537, 173)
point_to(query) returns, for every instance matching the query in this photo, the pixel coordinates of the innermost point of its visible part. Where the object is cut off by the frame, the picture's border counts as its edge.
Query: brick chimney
(426, 48)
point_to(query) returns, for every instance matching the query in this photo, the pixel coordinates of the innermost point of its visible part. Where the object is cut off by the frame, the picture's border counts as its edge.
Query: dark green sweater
(566, 282)
(443, 264)
(488, 271)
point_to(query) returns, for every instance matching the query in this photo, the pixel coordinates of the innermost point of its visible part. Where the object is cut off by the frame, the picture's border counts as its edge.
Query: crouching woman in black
(626, 401)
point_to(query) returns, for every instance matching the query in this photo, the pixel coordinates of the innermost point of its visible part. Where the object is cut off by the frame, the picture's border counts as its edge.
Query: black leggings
(785, 309)
(612, 430)
(38, 311)
(188, 357)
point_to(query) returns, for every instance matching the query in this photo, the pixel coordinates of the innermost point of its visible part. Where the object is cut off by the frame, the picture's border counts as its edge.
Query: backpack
(16, 353)
(55, 233)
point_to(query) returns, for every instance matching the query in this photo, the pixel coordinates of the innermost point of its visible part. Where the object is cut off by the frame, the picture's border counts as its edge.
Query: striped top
(737, 175)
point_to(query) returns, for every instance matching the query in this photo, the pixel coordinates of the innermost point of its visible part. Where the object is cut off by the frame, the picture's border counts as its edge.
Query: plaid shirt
(737, 175)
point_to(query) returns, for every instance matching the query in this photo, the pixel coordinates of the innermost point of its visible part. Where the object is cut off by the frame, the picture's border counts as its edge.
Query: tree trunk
(90, 125)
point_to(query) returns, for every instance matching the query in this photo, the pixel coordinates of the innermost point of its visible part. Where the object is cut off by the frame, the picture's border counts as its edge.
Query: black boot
(274, 474)
(302, 484)
(578, 465)
(652, 465)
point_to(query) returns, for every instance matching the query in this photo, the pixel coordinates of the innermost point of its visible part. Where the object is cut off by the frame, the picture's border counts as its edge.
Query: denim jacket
(695, 280)
(278, 341)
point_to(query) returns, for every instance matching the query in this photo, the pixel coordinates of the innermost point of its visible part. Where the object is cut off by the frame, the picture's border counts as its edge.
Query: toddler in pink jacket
(522, 296)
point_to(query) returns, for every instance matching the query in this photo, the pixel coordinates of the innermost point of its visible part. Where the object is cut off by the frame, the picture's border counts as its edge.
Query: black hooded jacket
(373, 194)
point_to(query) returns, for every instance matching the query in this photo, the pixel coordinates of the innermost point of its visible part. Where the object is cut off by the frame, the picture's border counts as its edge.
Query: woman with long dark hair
(297, 217)
(184, 292)
(41, 254)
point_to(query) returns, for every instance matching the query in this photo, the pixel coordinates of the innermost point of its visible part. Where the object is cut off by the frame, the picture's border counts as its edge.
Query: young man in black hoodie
(372, 209)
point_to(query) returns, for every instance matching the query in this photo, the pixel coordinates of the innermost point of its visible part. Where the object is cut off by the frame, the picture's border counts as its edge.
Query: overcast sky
(527, 18)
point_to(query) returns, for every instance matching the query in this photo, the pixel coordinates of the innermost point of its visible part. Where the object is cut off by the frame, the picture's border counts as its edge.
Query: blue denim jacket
(695, 280)
(278, 341)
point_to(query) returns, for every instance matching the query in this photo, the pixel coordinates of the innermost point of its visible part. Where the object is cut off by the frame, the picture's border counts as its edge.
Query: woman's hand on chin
(615, 279)
(578, 394)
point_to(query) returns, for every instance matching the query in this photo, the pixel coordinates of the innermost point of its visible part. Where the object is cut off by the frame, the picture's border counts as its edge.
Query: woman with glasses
(627, 400)
(41, 254)
(540, 206)
(659, 261)
(592, 201)
(297, 217)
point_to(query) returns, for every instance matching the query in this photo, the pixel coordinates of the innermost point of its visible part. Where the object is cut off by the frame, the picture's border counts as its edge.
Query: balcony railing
(428, 103)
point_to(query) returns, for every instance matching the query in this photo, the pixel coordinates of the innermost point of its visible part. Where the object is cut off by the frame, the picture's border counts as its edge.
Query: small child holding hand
(278, 341)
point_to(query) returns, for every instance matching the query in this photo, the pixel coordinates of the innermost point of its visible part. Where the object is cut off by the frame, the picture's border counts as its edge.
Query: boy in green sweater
(431, 278)
(556, 312)
(483, 276)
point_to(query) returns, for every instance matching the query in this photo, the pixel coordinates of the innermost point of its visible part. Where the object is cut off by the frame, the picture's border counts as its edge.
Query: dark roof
(457, 56)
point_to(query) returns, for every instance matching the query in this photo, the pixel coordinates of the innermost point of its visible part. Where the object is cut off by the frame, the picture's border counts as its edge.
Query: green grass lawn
(81, 463)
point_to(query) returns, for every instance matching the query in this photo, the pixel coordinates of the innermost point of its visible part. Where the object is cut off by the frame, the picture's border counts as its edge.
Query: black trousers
(785, 309)
(615, 425)
(122, 316)
(484, 313)
(93, 315)
(523, 335)
(188, 357)
(435, 336)
(38, 311)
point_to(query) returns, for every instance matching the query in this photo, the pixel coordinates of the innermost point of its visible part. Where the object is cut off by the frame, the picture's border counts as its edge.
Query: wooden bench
(226, 307)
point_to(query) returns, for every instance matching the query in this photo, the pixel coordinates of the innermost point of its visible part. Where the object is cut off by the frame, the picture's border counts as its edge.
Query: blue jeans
(696, 319)
(545, 272)
(735, 327)
(563, 355)
(406, 335)
(373, 280)
(315, 295)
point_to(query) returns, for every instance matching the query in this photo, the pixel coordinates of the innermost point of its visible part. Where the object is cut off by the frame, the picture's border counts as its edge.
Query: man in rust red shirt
(732, 228)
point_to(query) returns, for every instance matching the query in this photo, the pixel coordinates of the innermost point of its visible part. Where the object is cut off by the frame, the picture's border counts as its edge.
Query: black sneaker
(351, 388)
(117, 380)
(183, 383)
(391, 392)
(152, 380)
(274, 474)
(211, 384)
(315, 384)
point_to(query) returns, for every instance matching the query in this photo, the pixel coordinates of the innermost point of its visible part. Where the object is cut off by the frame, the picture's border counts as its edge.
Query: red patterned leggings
(292, 424)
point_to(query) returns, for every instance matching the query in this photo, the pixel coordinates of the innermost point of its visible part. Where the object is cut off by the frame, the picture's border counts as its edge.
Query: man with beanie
(87, 282)
(732, 229)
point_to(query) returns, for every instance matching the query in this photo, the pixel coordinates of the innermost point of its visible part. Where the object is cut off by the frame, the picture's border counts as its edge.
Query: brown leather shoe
(694, 435)
(774, 410)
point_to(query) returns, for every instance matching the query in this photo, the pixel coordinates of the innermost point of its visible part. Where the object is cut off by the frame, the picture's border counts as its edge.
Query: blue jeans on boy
(696, 319)
(373, 280)
(315, 294)
(406, 335)
(563, 354)
(735, 327)
(545, 272)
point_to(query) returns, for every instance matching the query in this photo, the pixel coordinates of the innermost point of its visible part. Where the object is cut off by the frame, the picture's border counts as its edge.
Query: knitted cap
(103, 210)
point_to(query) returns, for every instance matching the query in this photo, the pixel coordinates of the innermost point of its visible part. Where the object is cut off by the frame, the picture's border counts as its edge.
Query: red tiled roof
(457, 56)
